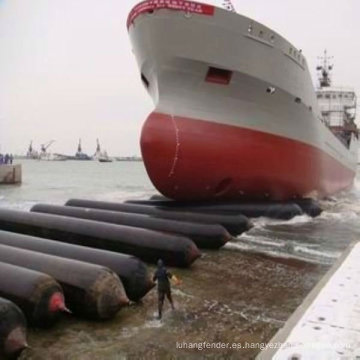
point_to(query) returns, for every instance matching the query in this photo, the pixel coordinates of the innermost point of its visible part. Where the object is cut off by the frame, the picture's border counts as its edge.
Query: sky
(67, 70)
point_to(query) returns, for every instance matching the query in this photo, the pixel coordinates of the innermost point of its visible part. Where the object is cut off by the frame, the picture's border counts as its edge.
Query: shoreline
(227, 296)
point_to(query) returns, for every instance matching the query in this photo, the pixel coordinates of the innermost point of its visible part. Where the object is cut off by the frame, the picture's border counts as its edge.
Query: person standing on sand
(162, 277)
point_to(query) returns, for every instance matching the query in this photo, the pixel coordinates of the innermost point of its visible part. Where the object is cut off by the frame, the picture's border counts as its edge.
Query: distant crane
(98, 148)
(31, 153)
(79, 149)
(30, 149)
(45, 146)
(80, 155)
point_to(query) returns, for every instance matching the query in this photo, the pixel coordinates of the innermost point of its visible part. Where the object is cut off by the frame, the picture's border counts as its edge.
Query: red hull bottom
(189, 159)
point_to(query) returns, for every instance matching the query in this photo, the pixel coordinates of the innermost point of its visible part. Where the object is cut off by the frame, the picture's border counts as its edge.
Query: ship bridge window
(144, 80)
(218, 76)
(319, 96)
(261, 34)
(272, 38)
(327, 96)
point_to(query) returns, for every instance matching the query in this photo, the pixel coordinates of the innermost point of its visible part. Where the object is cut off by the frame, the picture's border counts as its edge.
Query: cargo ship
(236, 113)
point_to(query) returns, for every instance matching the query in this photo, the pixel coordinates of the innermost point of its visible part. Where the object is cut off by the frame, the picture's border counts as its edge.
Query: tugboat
(102, 156)
(236, 113)
(105, 157)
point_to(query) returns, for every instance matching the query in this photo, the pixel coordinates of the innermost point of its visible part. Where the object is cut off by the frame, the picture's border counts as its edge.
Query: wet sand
(227, 296)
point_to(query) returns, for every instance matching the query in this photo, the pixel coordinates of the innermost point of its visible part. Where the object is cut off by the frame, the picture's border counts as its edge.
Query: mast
(324, 70)
(79, 147)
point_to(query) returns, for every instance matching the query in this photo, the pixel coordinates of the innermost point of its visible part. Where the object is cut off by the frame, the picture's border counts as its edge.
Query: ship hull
(254, 132)
(190, 159)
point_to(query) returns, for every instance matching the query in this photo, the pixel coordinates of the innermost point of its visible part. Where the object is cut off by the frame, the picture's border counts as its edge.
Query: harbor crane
(45, 146)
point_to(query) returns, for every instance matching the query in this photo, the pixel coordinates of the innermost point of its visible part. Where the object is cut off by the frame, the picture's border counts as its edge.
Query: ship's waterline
(239, 163)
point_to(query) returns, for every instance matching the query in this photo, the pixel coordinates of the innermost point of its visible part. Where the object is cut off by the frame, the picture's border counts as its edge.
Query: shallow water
(241, 294)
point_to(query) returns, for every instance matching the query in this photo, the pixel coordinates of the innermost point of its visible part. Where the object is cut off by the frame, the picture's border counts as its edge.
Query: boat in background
(48, 156)
(128, 158)
(79, 154)
(101, 155)
(97, 151)
(43, 155)
(105, 158)
(53, 157)
(32, 153)
(236, 113)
